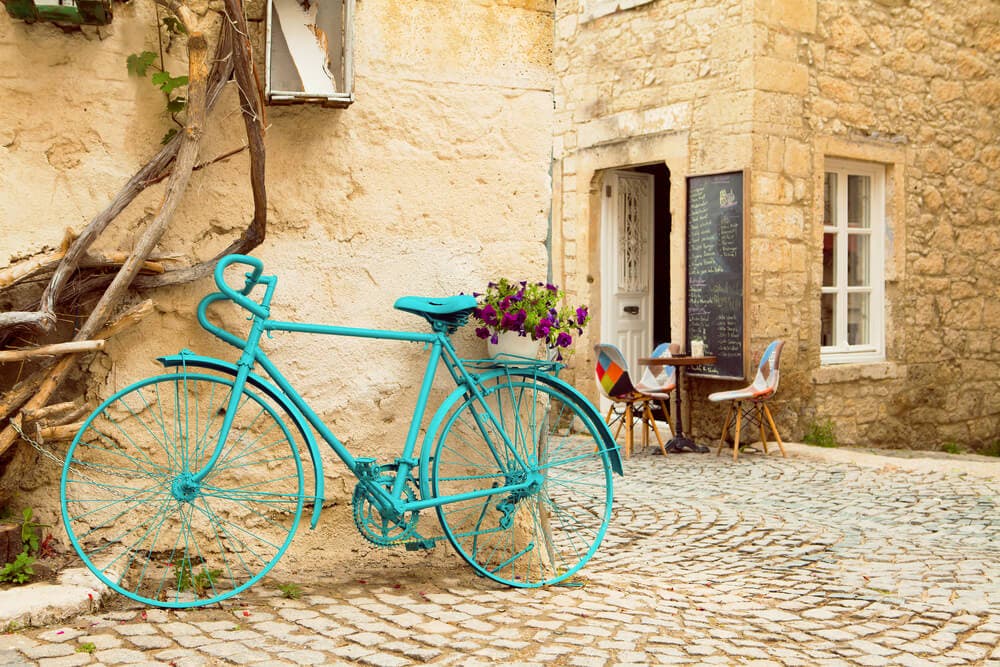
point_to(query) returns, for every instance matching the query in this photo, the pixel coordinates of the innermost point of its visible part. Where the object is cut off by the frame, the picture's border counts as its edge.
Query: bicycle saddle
(451, 312)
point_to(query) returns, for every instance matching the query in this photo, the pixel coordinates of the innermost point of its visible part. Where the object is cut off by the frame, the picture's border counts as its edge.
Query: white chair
(657, 383)
(751, 401)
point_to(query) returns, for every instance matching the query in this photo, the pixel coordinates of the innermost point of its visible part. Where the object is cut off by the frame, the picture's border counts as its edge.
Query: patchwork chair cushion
(755, 396)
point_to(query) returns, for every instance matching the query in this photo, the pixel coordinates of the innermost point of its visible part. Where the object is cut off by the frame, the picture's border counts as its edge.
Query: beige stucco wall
(433, 182)
(775, 86)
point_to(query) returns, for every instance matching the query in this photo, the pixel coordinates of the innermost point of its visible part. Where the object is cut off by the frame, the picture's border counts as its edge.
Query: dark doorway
(661, 250)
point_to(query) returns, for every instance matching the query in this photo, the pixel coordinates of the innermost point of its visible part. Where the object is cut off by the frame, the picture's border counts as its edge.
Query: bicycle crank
(371, 523)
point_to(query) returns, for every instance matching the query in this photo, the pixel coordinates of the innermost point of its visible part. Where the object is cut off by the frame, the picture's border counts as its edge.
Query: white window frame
(299, 50)
(841, 352)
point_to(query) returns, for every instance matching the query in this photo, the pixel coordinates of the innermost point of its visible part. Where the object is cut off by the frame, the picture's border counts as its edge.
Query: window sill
(605, 7)
(853, 372)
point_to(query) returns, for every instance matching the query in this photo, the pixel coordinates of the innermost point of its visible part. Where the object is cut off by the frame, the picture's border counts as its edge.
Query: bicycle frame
(440, 349)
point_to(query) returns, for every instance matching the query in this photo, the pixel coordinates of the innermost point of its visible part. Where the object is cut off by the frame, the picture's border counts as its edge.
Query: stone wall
(917, 83)
(657, 83)
(435, 181)
(776, 86)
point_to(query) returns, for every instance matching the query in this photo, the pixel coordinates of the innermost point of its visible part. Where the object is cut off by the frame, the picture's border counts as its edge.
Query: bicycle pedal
(417, 545)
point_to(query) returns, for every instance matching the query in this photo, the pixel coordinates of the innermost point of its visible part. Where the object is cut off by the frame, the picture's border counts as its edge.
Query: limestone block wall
(657, 83)
(435, 181)
(778, 86)
(914, 85)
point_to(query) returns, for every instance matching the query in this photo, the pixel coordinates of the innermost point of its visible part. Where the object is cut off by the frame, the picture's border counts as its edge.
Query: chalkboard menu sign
(717, 271)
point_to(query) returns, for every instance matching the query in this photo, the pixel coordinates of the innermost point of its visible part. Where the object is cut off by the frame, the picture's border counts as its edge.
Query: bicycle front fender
(187, 358)
(459, 394)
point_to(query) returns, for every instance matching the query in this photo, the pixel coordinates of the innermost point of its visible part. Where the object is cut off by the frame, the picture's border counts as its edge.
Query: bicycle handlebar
(253, 278)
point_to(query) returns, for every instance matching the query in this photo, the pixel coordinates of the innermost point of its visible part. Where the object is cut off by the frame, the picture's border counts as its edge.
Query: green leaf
(174, 26)
(138, 63)
(168, 83)
(168, 136)
(177, 104)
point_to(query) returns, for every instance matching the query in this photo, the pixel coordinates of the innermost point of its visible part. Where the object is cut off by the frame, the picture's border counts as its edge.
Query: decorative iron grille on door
(633, 273)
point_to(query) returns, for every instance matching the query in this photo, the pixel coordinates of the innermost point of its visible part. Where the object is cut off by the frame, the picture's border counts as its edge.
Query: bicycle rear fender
(186, 358)
(610, 446)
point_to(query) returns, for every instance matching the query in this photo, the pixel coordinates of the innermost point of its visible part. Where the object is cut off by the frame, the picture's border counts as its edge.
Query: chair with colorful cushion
(657, 383)
(627, 403)
(751, 401)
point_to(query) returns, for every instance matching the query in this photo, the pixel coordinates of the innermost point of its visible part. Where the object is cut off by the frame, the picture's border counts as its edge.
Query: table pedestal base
(681, 444)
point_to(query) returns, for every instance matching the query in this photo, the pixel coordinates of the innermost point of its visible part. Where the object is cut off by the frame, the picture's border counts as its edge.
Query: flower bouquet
(533, 310)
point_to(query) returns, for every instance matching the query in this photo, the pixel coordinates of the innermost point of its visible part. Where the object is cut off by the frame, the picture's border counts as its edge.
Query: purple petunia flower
(487, 314)
(581, 314)
(564, 339)
(482, 332)
(542, 328)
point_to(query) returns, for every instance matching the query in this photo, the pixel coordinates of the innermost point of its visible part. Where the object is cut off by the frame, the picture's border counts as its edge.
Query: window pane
(829, 199)
(858, 198)
(857, 319)
(829, 260)
(858, 254)
(828, 306)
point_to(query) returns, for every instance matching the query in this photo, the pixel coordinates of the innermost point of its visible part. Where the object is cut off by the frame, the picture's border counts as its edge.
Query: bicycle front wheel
(143, 522)
(537, 437)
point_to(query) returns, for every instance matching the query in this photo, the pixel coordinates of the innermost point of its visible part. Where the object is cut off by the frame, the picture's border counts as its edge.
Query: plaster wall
(435, 181)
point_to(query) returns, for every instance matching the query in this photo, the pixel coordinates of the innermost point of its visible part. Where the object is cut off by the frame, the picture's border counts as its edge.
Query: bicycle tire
(542, 535)
(144, 527)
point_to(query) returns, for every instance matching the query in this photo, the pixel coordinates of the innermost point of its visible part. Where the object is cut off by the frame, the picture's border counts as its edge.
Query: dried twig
(7, 356)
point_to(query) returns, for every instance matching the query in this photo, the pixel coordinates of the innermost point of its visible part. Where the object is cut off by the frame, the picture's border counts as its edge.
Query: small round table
(679, 442)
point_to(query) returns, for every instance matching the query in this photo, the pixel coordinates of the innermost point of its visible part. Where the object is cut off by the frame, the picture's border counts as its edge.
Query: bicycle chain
(372, 525)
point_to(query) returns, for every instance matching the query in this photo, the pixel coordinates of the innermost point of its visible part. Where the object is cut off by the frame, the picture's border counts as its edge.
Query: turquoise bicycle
(184, 489)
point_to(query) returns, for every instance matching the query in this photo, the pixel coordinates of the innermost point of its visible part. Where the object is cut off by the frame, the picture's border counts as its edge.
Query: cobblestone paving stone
(766, 562)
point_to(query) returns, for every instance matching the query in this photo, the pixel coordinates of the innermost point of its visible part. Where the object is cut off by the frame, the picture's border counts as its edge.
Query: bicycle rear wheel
(547, 531)
(140, 520)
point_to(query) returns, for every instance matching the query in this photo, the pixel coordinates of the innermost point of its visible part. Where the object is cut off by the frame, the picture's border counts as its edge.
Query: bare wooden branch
(187, 154)
(12, 274)
(129, 318)
(7, 356)
(152, 172)
(57, 433)
(253, 120)
(50, 413)
(15, 397)
(174, 162)
(50, 382)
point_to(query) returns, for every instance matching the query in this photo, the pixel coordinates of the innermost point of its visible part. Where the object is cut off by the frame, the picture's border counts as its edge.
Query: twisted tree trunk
(175, 162)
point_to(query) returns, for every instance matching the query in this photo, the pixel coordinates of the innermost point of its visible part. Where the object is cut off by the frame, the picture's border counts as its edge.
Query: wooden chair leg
(621, 421)
(645, 425)
(736, 436)
(725, 430)
(652, 424)
(774, 429)
(760, 423)
(628, 430)
(666, 414)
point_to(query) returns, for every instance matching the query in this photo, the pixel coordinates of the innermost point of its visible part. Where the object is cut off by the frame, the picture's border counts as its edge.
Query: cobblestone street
(768, 561)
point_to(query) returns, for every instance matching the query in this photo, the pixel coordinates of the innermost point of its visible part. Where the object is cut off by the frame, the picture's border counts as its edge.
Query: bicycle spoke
(546, 530)
(153, 530)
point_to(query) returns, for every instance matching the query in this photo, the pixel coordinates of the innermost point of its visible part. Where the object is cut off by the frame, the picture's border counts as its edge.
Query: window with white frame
(852, 327)
(309, 52)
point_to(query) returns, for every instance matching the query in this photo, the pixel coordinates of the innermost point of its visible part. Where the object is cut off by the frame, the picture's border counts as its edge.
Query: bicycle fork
(187, 485)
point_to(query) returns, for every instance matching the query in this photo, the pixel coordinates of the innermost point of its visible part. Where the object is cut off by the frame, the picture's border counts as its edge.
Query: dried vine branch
(174, 162)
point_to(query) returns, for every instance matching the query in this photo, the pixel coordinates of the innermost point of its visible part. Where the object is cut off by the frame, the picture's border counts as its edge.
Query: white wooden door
(627, 265)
